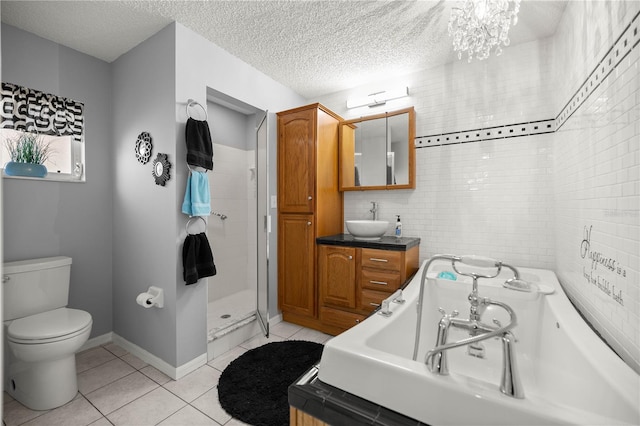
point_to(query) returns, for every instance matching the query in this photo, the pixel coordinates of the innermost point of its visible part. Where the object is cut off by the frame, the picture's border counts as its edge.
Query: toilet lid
(46, 325)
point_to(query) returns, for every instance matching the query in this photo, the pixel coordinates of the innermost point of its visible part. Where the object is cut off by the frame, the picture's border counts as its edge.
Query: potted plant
(28, 154)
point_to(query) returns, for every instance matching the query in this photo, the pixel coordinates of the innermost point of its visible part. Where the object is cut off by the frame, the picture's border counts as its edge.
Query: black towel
(197, 259)
(199, 146)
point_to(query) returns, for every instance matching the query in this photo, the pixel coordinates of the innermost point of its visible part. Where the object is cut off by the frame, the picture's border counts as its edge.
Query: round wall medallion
(161, 168)
(143, 147)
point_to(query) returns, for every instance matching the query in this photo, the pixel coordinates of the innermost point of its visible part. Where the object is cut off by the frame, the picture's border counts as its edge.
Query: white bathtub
(569, 375)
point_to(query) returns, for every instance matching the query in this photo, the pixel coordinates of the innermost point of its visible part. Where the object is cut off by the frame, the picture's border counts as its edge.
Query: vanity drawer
(371, 299)
(379, 280)
(382, 259)
(338, 318)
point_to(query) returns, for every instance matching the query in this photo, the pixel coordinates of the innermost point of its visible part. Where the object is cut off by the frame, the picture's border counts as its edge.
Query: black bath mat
(253, 388)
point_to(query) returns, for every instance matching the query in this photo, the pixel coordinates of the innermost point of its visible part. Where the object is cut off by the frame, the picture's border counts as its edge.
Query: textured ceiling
(314, 47)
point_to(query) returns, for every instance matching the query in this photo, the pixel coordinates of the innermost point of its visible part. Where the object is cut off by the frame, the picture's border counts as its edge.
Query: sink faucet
(374, 210)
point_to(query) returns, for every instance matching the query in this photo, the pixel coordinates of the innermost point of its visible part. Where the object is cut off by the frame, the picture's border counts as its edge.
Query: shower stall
(237, 228)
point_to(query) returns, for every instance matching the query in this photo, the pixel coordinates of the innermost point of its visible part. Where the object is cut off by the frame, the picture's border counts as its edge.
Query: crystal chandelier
(478, 26)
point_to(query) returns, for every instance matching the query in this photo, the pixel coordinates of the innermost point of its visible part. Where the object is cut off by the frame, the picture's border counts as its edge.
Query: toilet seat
(51, 326)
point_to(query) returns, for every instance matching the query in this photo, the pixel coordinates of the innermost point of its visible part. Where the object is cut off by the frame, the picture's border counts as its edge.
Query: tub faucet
(436, 359)
(374, 210)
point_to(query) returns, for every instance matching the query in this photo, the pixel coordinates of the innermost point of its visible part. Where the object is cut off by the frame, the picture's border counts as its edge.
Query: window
(58, 122)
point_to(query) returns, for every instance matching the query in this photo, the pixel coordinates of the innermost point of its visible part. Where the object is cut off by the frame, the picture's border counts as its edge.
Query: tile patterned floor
(117, 388)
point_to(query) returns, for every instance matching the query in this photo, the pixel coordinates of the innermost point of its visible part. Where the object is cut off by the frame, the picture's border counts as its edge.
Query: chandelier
(478, 26)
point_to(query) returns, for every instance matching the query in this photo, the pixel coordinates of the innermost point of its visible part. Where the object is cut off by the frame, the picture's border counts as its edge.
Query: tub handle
(480, 261)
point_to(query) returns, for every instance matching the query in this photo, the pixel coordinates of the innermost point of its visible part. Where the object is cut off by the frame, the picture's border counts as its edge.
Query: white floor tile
(260, 340)
(285, 329)
(188, 416)
(92, 358)
(310, 335)
(97, 377)
(102, 422)
(117, 384)
(210, 405)
(14, 413)
(221, 362)
(148, 410)
(195, 383)
(155, 375)
(134, 361)
(78, 412)
(121, 392)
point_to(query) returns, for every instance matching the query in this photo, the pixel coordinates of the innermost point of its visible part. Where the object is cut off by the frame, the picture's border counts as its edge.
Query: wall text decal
(598, 264)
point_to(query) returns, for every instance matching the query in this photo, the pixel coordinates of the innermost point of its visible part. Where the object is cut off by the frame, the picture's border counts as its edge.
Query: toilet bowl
(40, 364)
(42, 369)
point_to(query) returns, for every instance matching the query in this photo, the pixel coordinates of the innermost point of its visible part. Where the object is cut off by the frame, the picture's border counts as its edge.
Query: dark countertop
(337, 407)
(387, 242)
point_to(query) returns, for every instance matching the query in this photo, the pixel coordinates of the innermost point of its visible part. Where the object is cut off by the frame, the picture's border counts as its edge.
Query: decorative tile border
(488, 133)
(621, 48)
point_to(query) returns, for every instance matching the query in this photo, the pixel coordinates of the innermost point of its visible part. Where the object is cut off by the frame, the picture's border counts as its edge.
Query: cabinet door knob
(308, 223)
(350, 257)
(310, 198)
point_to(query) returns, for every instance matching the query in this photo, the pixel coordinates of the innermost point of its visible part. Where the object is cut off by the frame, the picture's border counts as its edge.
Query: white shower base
(230, 321)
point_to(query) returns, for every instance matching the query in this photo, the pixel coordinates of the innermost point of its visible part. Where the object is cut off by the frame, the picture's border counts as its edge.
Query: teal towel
(197, 199)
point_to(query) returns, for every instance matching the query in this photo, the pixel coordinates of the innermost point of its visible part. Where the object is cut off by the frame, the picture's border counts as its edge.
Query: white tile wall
(527, 199)
(597, 164)
(231, 194)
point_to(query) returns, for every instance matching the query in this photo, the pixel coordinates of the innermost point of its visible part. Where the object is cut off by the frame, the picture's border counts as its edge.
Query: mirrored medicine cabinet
(378, 151)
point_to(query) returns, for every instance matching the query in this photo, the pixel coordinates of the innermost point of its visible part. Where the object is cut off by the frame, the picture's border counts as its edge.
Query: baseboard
(97, 341)
(275, 320)
(174, 372)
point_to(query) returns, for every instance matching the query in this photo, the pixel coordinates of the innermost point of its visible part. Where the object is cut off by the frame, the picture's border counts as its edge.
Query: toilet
(41, 335)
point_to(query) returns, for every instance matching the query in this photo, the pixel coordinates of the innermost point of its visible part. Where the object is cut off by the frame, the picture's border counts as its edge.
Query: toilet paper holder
(152, 297)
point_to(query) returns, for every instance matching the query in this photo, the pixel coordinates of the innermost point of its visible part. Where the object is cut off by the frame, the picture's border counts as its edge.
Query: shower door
(262, 202)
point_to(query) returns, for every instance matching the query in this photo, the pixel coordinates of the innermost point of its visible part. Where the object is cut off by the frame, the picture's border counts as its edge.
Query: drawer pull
(374, 304)
(378, 282)
(375, 259)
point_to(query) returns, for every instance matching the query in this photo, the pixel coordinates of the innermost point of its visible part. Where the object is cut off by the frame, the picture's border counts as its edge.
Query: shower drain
(225, 316)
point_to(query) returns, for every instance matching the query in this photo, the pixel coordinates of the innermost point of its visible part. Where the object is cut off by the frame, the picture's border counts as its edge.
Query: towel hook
(190, 103)
(191, 220)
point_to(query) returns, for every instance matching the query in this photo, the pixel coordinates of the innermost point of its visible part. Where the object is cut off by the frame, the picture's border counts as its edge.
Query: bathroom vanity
(355, 276)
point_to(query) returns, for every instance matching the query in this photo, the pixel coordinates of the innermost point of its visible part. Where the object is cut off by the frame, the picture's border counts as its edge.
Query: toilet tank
(33, 286)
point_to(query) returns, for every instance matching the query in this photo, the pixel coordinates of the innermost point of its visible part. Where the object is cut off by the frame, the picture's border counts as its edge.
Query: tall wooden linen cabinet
(309, 205)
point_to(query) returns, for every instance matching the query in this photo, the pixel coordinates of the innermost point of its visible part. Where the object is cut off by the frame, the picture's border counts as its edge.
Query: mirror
(378, 152)
(160, 169)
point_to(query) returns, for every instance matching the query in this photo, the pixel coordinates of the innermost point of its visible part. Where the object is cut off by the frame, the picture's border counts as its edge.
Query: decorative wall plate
(143, 147)
(161, 167)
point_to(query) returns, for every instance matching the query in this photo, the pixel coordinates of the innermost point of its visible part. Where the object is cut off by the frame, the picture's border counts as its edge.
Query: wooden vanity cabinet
(309, 205)
(354, 281)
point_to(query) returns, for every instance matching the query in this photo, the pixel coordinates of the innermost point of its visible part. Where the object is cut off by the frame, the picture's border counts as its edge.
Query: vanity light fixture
(478, 26)
(378, 98)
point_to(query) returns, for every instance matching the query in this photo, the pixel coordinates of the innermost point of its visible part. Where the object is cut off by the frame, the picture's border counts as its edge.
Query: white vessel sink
(367, 229)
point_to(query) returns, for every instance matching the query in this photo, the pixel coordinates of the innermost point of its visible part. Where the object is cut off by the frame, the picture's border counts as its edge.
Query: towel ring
(191, 103)
(191, 220)
(196, 168)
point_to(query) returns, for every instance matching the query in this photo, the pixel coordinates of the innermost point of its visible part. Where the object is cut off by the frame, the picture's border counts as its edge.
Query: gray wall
(45, 218)
(200, 65)
(144, 251)
(124, 232)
